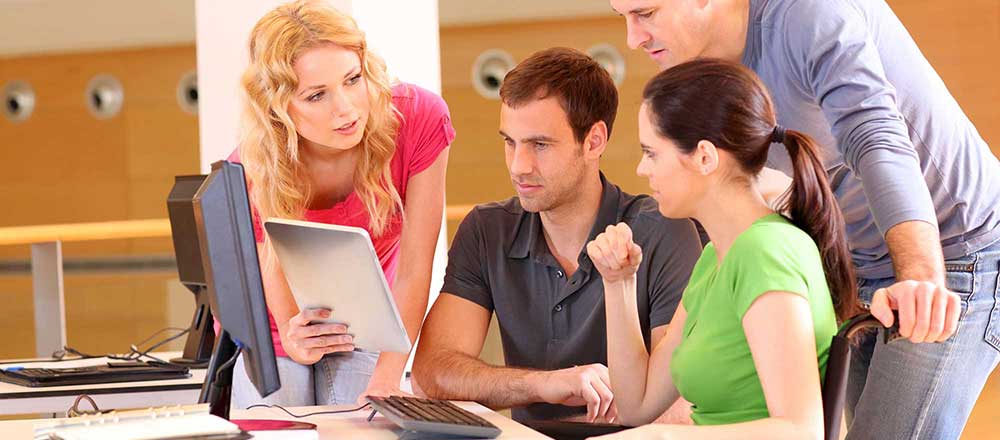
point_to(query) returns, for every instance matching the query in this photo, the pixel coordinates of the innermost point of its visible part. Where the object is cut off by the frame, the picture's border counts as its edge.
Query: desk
(331, 426)
(17, 399)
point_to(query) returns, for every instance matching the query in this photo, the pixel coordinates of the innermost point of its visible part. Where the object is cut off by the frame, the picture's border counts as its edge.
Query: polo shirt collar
(527, 238)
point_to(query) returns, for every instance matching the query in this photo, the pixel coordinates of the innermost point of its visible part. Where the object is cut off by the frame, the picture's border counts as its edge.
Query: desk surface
(9, 390)
(17, 399)
(352, 425)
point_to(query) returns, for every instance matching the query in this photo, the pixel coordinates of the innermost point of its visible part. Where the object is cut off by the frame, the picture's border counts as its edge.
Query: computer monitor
(236, 294)
(180, 209)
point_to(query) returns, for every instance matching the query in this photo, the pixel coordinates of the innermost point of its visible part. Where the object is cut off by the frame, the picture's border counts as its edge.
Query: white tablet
(336, 267)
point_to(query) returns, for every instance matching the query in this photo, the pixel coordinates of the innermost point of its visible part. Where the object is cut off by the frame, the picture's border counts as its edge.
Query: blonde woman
(328, 139)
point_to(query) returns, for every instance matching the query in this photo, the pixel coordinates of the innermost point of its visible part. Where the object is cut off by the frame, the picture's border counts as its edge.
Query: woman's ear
(706, 158)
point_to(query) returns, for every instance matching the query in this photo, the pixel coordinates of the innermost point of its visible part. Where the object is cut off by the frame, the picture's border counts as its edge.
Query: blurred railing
(47, 263)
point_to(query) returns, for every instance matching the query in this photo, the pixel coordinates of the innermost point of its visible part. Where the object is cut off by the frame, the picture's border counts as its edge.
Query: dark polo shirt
(550, 320)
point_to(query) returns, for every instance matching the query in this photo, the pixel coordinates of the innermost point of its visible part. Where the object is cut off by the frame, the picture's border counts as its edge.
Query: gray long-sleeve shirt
(896, 144)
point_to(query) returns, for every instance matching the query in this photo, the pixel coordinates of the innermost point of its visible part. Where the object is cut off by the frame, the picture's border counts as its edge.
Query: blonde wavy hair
(269, 145)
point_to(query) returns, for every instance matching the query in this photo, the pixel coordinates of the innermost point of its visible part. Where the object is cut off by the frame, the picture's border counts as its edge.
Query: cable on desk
(228, 363)
(60, 355)
(75, 411)
(134, 352)
(299, 416)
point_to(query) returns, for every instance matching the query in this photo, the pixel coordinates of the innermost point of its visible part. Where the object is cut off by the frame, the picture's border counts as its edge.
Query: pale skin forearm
(627, 357)
(277, 295)
(642, 392)
(421, 227)
(411, 302)
(628, 360)
(454, 375)
(915, 249)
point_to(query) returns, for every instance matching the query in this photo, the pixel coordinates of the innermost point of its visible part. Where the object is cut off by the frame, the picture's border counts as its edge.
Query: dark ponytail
(813, 208)
(726, 104)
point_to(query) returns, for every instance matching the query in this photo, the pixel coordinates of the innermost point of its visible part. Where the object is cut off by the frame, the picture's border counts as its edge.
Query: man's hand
(578, 386)
(927, 311)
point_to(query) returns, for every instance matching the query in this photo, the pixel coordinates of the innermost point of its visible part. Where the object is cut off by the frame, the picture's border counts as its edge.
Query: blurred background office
(101, 105)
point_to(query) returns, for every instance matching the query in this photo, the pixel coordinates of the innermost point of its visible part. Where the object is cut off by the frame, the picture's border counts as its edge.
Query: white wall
(406, 36)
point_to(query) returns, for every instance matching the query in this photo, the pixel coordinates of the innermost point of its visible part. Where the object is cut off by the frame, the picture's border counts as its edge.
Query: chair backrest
(837, 366)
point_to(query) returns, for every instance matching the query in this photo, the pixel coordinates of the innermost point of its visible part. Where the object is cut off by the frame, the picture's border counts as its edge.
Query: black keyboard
(51, 377)
(560, 430)
(430, 416)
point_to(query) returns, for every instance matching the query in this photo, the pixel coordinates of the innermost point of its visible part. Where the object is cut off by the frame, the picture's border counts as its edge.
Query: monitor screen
(229, 257)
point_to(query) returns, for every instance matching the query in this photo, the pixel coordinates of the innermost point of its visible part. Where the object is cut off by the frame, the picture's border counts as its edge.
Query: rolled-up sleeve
(835, 59)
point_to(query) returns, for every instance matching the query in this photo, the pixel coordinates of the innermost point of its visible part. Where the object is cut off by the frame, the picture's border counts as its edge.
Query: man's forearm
(454, 375)
(915, 249)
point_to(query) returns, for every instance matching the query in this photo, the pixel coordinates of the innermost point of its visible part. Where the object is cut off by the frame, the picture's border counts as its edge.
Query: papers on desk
(146, 424)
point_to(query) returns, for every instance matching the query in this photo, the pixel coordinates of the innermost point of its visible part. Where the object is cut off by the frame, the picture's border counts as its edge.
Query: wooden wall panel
(17, 311)
(107, 313)
(962, 42)
(63, 166)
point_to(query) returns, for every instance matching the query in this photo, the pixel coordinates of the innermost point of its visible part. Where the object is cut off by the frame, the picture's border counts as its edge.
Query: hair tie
(778, 135)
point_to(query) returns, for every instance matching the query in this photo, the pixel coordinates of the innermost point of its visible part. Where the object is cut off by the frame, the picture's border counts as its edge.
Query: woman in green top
(748, 343)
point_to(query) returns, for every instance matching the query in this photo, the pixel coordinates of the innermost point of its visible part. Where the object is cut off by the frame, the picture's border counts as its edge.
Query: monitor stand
(218, 387)
(201, 337)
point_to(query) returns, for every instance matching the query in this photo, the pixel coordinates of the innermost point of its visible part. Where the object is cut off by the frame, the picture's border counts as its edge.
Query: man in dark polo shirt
(524, 258)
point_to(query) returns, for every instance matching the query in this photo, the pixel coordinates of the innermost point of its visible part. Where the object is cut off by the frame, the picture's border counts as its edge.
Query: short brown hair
(584, 89)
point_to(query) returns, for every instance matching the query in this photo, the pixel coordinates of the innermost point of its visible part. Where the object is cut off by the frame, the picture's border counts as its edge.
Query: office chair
(837, 367)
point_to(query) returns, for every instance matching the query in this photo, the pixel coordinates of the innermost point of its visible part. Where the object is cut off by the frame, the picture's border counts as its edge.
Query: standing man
(919, 188)
(524, 258)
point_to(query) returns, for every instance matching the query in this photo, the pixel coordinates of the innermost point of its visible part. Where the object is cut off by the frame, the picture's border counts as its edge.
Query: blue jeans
(902, 390)
(337, 379)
